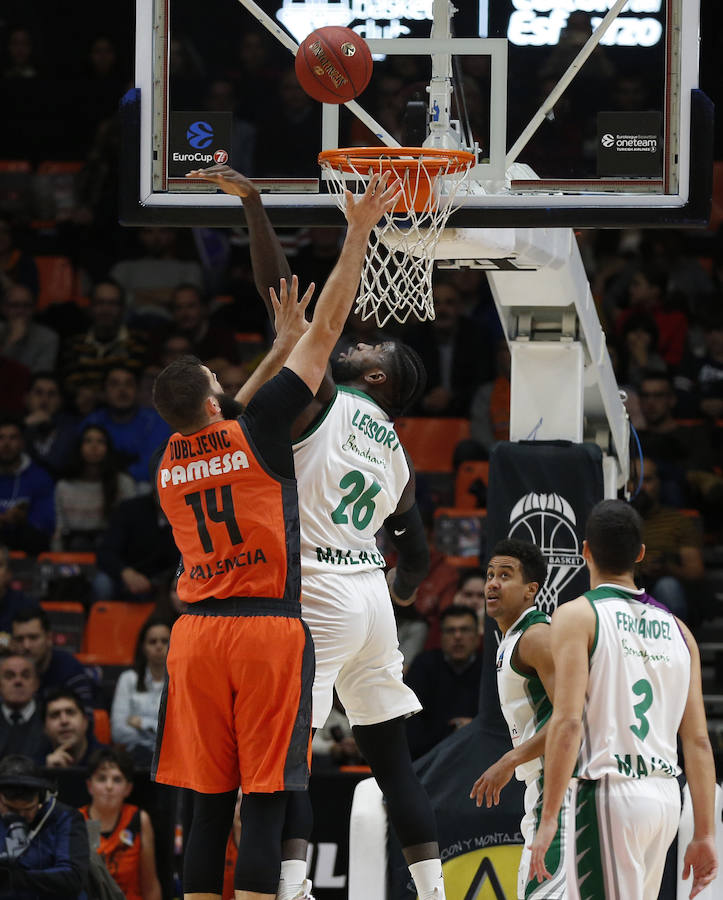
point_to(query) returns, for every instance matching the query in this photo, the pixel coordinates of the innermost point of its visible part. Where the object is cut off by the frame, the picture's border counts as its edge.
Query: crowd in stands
(77, 427)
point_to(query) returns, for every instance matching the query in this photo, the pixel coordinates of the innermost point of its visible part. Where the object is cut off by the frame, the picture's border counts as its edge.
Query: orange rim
(416, 190)
(433, 159)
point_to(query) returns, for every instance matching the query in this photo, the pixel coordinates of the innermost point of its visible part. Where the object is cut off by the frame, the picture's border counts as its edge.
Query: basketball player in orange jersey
(354, 477)
(237, 707)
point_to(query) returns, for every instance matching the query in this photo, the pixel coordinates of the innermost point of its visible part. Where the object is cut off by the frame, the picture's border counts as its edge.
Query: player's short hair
(532, 560)
(614, 535)
(180, 391)
(406, 379)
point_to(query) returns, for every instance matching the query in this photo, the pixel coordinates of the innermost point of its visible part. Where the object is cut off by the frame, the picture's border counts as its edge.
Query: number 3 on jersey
(644, 689)
(363, 501)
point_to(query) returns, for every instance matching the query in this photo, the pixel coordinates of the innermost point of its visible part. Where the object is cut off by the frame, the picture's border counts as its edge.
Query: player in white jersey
(627, 682)
(353, 477)
(525, 682)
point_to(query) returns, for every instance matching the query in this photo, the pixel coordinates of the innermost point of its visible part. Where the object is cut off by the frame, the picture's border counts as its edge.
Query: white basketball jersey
(351, 471)
(525, 705)
(637, 690)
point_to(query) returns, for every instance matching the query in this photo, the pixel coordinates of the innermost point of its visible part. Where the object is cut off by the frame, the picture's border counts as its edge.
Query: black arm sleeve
(407, 534)
(270, 415)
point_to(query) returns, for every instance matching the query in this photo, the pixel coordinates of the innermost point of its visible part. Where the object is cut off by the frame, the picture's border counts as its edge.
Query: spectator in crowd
(86, 358)
(437, 590)
(15, 379)
(27, 510)
(701, 381)
(32, 637)
(647, 293)
(489, 415)
(446, 681)
(149, 280)
(638, 349)
(127, 842)
(471, 592)
(316, 258)
(673, 562)
(20, 61)
(91, 486)
(104, 83)
(16, 266)
(137, 554)
(21, 719)
(48, 856)
(232, 378)
(68, 742)
(189, 308)
(221, 97)
(456, 354)
(49, 431)
(136, 431)
(678, 450)
(22, 339)
(137, 698)
(12, 600)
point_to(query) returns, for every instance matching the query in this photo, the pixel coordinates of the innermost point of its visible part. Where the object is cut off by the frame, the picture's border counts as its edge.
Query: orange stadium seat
(58, 281)
(111, 632)
(101, 725)
(431, 442)
(467, 475)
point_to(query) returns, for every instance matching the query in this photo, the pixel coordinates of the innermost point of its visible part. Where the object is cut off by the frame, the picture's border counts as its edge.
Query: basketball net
(397, 273)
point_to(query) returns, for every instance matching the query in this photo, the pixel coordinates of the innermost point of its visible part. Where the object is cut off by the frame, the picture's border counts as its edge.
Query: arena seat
(469, 474)
(67, 622)
(431, 441)
(58, 281)
(101, 725)
(111, 632)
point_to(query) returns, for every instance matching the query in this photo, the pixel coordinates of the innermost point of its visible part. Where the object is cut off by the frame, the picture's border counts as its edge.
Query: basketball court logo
(549, 521)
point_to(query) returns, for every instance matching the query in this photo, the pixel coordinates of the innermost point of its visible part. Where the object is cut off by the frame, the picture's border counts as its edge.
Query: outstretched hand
(290, 321)
(366, 210)
(488, 786)
(229, 180)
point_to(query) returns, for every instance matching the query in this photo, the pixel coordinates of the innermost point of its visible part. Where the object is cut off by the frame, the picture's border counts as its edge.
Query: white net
(397, 274)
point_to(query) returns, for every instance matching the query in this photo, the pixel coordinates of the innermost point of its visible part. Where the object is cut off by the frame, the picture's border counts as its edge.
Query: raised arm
(268, 260)
(700, 854)
(310, 356)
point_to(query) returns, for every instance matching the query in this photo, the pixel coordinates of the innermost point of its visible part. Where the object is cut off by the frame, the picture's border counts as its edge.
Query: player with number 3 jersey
(627, 684)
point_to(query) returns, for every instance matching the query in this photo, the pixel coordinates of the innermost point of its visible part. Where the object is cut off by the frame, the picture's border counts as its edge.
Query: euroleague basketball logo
(607, 140)
(549, 521)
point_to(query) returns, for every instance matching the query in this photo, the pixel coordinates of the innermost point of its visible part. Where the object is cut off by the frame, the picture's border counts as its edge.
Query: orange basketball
(333, 64)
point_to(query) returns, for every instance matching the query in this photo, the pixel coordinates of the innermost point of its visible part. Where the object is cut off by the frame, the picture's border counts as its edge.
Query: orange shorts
(236, 709)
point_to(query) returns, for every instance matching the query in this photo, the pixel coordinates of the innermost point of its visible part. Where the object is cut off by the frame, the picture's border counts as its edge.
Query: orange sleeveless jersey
(121, 850)
(235, 524)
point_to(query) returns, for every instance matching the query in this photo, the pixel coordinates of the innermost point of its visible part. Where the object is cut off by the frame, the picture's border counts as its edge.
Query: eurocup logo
(220, 157)
(548, 521)
(199, 135)
(607, 140)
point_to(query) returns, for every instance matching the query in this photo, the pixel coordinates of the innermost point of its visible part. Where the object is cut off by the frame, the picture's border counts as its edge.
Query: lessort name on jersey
(381, 432)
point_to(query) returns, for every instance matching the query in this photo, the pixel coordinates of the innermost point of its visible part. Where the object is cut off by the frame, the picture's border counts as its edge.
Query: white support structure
(367, 843)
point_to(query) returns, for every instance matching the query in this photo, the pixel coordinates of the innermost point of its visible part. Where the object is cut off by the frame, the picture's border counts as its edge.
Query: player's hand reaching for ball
(363, 212)
(229, 180)
(290, 313)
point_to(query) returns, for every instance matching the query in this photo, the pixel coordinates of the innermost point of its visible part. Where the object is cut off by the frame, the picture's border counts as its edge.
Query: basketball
(333, 64)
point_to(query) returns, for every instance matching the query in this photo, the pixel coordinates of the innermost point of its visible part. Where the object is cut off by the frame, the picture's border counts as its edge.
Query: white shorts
(355, 639)
(554, 888)
(623, 829)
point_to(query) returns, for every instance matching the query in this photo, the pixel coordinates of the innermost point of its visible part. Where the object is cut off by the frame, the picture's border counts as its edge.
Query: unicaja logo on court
(548, 521)
(199, 135)
(607, 140)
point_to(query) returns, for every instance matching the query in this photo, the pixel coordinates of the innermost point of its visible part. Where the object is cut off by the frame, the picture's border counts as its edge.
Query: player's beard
(230, 408)
(345, 370)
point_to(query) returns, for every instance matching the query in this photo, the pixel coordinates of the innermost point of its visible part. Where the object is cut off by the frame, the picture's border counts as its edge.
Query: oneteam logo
(199, 135)
(608, 140)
